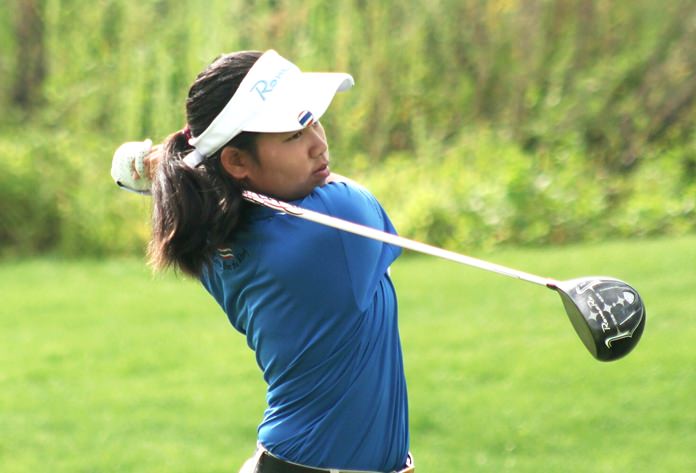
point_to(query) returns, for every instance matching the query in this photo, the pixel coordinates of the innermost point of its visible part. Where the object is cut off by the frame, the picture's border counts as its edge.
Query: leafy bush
(660, 198)
(28, 211)
(56, 194)
(484, 190)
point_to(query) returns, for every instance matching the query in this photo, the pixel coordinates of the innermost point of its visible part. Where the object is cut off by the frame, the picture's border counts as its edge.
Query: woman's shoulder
(339, 197)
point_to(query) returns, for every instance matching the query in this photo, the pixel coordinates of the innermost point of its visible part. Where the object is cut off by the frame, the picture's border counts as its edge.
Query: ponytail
(195, 210)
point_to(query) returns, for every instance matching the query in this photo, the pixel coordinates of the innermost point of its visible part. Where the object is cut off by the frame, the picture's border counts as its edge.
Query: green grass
(104, 368)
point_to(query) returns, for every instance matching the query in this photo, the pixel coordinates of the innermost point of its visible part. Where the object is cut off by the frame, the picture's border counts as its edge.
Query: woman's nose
(319, 144)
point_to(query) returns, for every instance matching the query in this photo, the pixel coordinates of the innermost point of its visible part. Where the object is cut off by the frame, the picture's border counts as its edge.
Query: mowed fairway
(105, 368)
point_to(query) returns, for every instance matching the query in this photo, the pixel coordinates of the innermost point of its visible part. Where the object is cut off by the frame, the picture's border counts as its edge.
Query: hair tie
(187, 133)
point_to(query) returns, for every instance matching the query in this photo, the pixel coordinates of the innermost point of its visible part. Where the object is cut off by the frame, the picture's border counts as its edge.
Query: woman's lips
(322, 171)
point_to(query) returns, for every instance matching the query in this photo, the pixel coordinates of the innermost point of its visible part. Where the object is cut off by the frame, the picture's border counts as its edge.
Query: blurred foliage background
(477, 123)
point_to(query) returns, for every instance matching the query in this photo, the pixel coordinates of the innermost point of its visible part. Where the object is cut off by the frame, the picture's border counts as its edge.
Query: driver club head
(607, 314)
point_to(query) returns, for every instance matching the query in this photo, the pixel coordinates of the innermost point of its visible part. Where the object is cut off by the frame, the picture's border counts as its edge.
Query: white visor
(274, 97)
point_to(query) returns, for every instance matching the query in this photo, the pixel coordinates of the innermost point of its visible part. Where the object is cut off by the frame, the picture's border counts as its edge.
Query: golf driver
(607, 314)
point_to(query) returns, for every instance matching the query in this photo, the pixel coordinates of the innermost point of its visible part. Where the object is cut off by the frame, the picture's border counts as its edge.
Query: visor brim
(310, 92)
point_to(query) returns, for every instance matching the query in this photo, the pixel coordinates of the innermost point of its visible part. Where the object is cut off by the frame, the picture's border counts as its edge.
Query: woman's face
(289, 165)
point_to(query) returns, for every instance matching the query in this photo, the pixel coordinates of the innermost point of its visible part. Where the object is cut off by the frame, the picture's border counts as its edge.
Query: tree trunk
(30, 69)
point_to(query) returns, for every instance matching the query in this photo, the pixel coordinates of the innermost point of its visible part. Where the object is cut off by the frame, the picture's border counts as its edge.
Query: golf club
(607, 314)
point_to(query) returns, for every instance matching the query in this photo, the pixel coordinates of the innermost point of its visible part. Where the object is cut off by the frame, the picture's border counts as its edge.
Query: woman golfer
(316, 304)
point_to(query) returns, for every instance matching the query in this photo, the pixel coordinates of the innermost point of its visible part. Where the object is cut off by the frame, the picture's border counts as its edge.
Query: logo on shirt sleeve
(232, 260)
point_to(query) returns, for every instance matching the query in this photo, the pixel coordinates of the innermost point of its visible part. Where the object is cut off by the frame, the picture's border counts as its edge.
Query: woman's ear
(235, 162)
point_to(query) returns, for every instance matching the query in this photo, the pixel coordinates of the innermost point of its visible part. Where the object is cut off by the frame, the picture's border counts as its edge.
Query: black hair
(197, 210)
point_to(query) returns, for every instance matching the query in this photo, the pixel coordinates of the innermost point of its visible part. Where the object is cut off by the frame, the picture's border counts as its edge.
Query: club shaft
(392, 239)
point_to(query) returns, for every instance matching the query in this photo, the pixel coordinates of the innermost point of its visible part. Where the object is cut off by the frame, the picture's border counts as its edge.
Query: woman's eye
(295, 135)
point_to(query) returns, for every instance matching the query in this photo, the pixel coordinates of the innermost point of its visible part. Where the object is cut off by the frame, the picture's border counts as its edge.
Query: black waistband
(269, 464)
